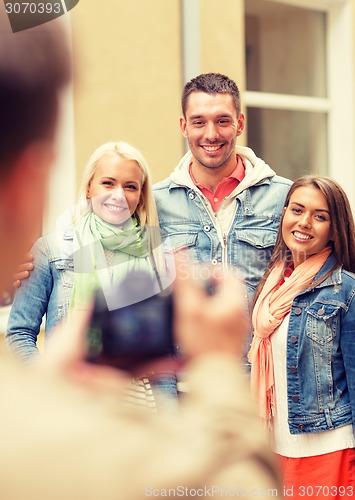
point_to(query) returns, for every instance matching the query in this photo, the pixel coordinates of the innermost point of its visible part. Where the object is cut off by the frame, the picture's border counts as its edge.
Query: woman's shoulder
(56, 244)
(348, 277)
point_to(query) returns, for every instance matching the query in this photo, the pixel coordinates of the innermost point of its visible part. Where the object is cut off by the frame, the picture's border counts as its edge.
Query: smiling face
(211, 127)
(115, 188)
(306, 225)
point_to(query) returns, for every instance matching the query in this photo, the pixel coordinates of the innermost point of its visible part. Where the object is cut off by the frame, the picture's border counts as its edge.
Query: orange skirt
(321, 477)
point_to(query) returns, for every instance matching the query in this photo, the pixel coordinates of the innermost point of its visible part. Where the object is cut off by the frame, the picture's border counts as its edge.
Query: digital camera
(128, 336)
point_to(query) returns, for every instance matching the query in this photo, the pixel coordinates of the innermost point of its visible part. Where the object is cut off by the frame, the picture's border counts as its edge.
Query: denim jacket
(321, 354)
(47, 292)
(187, 223)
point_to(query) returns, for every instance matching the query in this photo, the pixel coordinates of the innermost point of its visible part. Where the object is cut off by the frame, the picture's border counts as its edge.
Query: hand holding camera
(198, 315)
(208, 323)
(204, 323)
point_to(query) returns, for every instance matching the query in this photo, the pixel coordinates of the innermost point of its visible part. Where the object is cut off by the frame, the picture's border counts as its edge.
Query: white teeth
(114, 208)
(211, 148)
(301, 236)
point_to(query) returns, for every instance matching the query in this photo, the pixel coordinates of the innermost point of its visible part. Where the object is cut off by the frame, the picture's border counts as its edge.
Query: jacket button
(207, 228)
(321, 312)
(293, 339)
(295, 399)
(191, 196)
(301, 427)
(214, 262)
(293, 369)
(298, 311)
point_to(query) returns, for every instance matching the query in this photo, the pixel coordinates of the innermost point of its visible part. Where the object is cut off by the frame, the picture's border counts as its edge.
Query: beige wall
(222, 39)
(129, 66)
(222, 42)
(129, 72)
(128, 83)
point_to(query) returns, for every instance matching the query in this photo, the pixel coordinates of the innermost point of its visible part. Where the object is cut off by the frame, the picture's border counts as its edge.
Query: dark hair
(211, 83)
(342, 226)
(34, 66)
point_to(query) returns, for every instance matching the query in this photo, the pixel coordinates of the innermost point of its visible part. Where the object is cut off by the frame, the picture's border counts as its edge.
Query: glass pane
(293, 143)
(285, 49)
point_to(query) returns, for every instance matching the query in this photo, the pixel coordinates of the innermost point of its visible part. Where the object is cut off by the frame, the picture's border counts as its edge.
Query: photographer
(214, 443)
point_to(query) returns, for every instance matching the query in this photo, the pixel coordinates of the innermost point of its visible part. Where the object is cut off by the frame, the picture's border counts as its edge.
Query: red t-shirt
(225, 187)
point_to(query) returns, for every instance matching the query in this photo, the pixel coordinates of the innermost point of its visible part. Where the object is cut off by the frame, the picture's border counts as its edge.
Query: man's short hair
(211, 83)
(34, 66)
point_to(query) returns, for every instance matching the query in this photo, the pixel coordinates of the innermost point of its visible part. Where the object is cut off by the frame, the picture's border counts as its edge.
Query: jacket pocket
(180, 241)
(251, 252)
(63, 264)
(258, 238)
(65, 270)
(322, 322)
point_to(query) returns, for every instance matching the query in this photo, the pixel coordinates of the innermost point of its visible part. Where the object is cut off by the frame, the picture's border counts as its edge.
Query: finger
(26, 266)
(232, 290)
(19, 277)
(22, 275)
(28, 257)
(16, 284)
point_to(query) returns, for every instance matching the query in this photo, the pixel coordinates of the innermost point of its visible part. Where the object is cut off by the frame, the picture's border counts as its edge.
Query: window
(299, 97)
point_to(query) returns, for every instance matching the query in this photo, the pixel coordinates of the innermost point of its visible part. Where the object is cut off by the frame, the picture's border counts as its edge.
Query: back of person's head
(211, 83)
(34, 66)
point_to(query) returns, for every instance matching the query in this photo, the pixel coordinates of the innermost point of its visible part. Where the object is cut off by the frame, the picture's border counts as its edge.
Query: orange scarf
(272, 306)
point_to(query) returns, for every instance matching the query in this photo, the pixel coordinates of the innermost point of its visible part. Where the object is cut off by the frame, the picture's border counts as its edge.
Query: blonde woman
(114, 231)
(116, 228)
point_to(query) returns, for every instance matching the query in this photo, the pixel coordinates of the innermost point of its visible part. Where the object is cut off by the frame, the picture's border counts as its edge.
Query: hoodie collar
(256, 170)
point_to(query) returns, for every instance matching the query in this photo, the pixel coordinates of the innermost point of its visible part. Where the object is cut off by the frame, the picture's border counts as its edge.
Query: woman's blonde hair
(146, 211)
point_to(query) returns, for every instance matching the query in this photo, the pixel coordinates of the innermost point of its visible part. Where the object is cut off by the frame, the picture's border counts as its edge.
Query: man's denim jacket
(47, 292)
(187, 224)
(321, 354)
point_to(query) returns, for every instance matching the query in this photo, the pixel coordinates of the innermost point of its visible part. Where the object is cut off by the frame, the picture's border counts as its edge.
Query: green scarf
(128, 248)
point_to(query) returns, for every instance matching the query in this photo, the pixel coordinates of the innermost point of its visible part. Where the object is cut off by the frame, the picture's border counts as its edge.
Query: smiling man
(221, 203)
